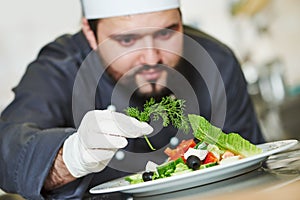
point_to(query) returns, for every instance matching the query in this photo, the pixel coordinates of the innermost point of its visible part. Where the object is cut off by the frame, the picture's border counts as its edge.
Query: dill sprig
(169, 109)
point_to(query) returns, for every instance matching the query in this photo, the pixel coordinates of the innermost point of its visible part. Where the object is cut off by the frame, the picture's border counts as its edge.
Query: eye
(164, 34)
(126, 40)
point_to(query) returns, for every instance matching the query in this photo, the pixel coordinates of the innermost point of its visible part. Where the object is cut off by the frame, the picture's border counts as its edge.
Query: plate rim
(282, 145)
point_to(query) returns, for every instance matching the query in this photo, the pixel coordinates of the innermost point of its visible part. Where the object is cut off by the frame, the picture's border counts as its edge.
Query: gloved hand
(100, 134)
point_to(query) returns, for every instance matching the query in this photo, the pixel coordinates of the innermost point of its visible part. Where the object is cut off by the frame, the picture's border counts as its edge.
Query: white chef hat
(95, 9)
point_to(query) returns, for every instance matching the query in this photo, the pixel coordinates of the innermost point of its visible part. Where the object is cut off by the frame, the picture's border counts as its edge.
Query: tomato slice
(186, 144)
(172, 153)
(180, 149)
(210, 158)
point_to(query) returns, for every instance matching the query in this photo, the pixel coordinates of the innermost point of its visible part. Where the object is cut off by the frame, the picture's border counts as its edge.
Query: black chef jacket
(47, 109)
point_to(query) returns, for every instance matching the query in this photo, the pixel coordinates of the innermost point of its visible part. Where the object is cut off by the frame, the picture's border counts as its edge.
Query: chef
(66, 131)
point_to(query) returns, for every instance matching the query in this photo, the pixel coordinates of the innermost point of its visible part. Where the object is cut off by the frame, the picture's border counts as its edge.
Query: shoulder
(67, 45)
(222, 56)
(213, 46)
(62, 56)
(56, 64)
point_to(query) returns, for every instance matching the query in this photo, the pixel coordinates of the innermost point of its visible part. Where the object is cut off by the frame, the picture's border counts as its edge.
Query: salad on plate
(210, 146)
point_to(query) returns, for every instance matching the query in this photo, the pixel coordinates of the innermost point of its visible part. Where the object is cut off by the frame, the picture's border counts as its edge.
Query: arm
(43, 153)
(27, 154)
(240, 116)
(37, 122)
(240, 113)
(59, 174)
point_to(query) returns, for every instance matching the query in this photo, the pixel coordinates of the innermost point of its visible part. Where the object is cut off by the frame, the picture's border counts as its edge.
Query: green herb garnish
(169, 109)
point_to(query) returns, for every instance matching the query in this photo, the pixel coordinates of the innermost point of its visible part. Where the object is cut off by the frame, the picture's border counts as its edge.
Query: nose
(149, 54)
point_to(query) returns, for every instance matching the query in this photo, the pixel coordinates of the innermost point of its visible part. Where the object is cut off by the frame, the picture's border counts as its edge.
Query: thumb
(129, 127)
(143, 127)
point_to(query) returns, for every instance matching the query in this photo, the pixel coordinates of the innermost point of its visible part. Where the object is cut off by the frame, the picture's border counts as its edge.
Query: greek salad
(209, 148)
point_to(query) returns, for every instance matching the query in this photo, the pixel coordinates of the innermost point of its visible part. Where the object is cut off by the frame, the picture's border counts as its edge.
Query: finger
(130, 126)
(94, 140)
(102, 155)
(125, 126)
(114, 123)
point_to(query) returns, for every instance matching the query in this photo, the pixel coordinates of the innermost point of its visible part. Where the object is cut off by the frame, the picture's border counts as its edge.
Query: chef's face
(141, 48)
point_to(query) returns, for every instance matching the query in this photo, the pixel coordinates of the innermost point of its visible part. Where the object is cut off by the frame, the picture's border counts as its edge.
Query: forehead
(161, 19)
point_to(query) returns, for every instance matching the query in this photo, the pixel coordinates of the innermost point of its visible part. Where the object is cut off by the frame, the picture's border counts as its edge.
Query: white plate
(195, 178)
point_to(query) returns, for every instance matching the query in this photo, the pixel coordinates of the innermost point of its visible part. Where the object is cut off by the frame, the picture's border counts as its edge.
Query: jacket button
(174, 141)
(120, 155)
(111, 108)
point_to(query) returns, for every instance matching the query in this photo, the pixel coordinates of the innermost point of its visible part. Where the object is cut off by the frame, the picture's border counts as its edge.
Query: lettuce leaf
(204, 131)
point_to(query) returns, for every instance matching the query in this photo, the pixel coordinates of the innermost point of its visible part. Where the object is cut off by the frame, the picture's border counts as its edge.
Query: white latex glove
(100, 134)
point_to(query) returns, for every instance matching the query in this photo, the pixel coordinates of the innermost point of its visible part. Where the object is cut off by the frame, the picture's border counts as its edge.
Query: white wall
(240, 33)
(25, 27)
(212, 17)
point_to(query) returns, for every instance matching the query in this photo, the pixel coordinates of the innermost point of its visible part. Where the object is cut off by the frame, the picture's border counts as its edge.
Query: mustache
(130, 75)
(148, 67)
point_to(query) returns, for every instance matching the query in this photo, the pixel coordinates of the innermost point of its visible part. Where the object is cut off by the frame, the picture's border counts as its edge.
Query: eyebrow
(173, 26)
(132, 35)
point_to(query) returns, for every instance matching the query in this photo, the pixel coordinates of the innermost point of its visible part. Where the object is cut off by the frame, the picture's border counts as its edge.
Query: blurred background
(264, 34)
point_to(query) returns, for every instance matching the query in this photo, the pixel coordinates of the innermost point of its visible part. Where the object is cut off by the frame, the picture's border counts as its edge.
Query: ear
(89, 34)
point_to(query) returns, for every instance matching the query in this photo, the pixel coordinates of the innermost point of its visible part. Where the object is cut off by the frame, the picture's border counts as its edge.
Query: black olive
(147, 176)
(193, 162)
(196, 140)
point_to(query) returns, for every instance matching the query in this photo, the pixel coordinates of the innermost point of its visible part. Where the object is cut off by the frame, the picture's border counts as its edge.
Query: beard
(145, 86)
